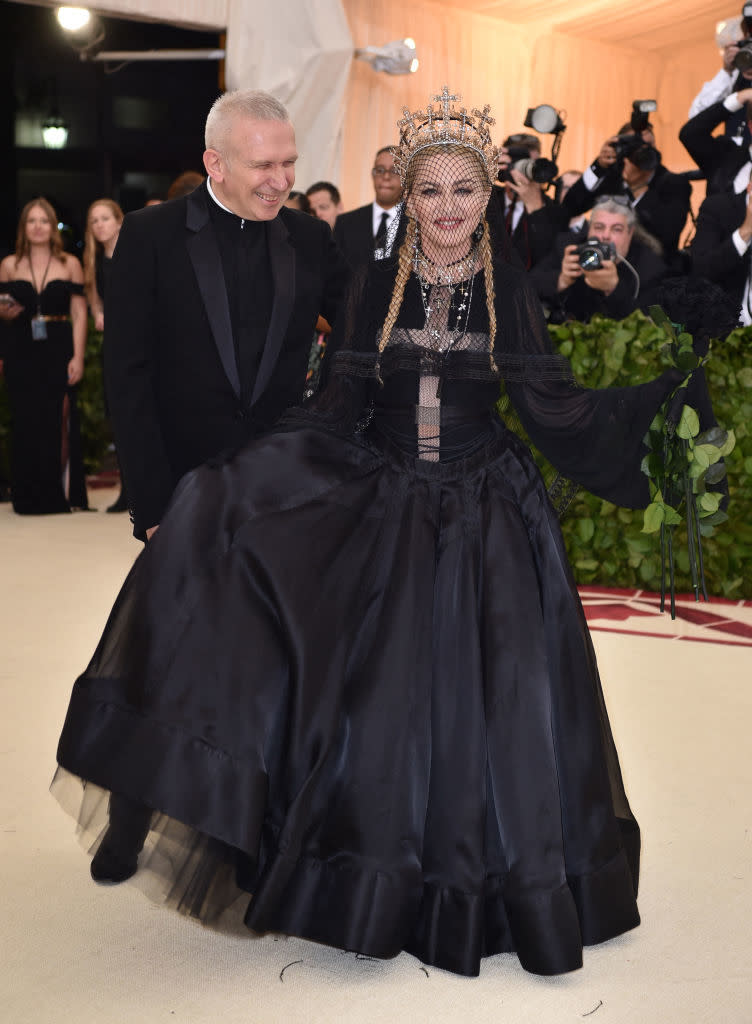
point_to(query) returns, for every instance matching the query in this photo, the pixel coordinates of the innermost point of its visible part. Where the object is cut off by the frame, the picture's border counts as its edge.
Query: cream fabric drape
(301, 53)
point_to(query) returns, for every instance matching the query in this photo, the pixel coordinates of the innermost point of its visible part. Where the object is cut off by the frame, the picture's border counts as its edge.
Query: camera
(592, 254)
(743, 59)
(541, 170)
(640, 153)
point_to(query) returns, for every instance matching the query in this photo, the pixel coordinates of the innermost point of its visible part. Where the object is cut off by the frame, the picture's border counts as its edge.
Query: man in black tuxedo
(571, 292)
(365, 232)
(532, 219)
(724, 163)
(212, 306)
(211, 310)
(721, 251)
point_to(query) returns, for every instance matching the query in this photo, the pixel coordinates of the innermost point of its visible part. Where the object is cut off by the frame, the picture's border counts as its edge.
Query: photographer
(532, 218)
(720, 250)
(572, 291)
(724, 163)
(732, 36)
(628, 164)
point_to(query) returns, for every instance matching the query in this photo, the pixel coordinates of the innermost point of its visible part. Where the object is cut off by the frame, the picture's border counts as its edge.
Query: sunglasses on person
(619, 200)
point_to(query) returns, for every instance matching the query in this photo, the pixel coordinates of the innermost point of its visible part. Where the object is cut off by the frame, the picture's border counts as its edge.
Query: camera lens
(743, 59)
(590, 258)
(544, 171)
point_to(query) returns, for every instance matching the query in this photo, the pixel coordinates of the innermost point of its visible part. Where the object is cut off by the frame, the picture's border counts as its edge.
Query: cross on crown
(445, 125)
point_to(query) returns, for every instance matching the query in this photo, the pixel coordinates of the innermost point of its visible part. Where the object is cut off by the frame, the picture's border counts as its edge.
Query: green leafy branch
(683, 465)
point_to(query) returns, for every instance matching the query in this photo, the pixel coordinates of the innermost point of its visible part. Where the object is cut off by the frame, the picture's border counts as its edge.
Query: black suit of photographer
(580, 301)
(719, 158)
(713, 252)
(662, 210)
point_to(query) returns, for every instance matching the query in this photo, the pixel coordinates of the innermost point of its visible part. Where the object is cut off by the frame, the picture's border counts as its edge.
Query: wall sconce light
(396, 58)
(84, 29)
(55, 132)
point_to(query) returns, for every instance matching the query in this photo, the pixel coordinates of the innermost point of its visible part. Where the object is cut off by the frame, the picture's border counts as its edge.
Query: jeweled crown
(443, 126)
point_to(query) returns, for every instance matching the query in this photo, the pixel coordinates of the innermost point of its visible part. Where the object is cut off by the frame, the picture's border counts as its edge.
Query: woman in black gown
(351, 674)
(44, 360)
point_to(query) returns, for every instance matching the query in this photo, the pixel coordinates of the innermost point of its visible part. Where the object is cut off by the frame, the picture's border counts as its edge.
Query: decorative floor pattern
(717, 621)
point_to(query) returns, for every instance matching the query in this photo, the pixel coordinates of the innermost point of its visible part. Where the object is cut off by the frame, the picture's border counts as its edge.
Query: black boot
(117, 856)
(120, 504)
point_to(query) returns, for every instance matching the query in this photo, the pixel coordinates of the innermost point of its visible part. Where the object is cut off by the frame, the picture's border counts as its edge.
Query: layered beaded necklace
(453, 297)
(447, 294)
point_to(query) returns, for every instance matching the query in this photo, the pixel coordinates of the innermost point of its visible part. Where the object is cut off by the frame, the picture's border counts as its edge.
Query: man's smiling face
(255, 174)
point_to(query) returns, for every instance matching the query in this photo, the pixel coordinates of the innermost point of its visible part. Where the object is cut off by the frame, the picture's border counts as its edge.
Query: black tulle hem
(352, 905)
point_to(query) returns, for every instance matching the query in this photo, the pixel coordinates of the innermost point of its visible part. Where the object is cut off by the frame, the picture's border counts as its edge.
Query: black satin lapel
(282, 259)
(204, 254)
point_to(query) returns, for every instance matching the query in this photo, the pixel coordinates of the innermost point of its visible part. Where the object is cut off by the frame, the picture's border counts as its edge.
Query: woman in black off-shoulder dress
(43, 348)
(351, 675)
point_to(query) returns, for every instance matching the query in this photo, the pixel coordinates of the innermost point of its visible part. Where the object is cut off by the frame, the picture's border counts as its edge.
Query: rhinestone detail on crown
(443, 126)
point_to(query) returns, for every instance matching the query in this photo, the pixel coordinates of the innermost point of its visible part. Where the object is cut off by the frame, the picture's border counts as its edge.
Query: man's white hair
(250, 103)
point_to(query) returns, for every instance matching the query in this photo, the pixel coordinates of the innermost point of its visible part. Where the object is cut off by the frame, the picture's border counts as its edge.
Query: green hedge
(605, 543)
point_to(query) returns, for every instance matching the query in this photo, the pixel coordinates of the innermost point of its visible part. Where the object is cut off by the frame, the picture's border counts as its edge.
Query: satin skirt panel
(364, 685)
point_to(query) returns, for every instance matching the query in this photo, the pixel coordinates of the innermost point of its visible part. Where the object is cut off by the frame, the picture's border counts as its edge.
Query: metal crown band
(444, 126)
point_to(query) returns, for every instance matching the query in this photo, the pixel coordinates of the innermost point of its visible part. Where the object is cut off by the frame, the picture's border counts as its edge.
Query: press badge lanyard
(38, 324)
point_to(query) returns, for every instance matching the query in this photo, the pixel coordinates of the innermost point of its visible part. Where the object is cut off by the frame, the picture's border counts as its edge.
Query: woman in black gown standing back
(44, 360)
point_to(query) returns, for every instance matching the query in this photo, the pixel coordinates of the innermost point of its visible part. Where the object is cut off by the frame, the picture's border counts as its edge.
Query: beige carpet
(74, 952)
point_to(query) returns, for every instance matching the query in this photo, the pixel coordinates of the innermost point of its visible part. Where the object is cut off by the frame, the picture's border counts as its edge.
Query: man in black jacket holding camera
(629, 165)
(578, 280)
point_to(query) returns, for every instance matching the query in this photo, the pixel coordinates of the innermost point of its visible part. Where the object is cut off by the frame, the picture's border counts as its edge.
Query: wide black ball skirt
(362, 685)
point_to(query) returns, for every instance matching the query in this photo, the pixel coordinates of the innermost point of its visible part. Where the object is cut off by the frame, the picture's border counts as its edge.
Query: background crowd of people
(594, 241)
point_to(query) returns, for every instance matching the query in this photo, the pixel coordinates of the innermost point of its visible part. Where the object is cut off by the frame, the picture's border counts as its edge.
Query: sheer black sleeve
(593, 437)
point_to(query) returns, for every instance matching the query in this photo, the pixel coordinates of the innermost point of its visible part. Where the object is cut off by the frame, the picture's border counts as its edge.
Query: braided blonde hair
(487, 260)
(404, 270)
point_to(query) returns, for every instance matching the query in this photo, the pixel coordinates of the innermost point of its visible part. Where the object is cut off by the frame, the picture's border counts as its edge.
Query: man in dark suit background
(212, 306)
(364, 232)
(721, 249)
(719, 157)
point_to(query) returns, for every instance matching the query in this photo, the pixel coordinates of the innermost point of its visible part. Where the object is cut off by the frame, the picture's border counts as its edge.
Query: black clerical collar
(224, 216)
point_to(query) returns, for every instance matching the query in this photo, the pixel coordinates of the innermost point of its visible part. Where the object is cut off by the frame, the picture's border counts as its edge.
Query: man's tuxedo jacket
(353, 232)
(713, 252)
(718, 157)
(171, 374)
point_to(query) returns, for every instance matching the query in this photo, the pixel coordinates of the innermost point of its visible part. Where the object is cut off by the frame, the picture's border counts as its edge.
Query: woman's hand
(75, 370)
(10, 310)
